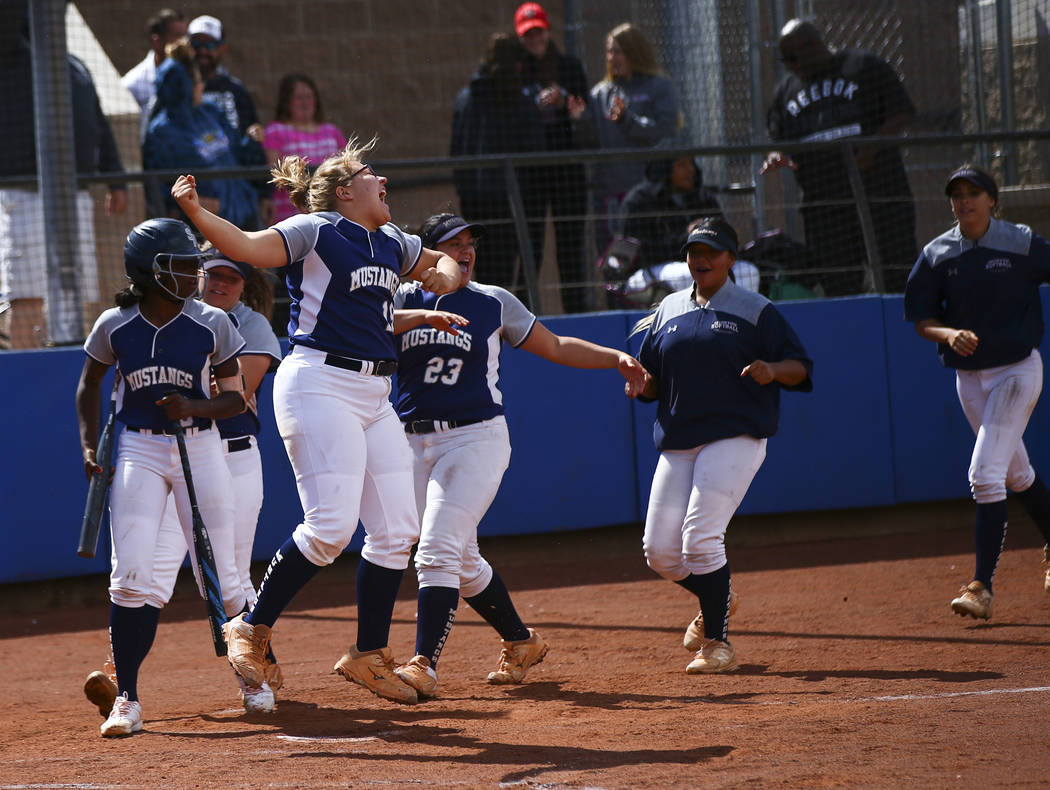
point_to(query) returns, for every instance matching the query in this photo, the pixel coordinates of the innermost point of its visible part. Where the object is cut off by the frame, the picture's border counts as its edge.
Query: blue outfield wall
(882, 426)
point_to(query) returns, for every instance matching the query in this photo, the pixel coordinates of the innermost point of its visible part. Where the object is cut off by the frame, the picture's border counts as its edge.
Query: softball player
(452, 408)
(975, 292)
(331, 397)
(718, 356)
(228, 282)
(165, 345)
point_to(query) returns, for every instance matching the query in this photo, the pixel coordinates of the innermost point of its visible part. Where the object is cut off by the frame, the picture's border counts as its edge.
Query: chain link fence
(587, 220)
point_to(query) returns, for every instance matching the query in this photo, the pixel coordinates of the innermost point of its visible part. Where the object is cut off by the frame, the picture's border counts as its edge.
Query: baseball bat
(206, 569)
(99, 485)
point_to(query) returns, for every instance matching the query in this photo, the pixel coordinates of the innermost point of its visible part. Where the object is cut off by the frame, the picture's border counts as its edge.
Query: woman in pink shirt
(299, 129)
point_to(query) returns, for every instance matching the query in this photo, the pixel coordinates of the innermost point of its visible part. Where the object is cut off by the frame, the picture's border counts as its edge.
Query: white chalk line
(948, 694)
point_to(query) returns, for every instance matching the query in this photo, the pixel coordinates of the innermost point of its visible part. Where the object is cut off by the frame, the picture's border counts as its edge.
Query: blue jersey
(258, 339)
(989, 286)
(696, 353)
(154, 361)
(441, 376)
(341, 280)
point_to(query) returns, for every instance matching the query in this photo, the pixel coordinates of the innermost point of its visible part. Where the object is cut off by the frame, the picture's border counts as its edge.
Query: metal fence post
(1005, 38)
(56, 166)
(521, 227)
(871, 244)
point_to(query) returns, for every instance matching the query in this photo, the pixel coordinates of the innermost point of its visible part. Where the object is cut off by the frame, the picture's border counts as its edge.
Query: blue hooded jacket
(192, 139)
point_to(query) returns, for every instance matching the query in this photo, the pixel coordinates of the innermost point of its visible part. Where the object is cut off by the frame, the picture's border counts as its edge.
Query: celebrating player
(718, 356)
(165, 345)
(452, 408)
(346, 446)
(228, 282)
(974, 291)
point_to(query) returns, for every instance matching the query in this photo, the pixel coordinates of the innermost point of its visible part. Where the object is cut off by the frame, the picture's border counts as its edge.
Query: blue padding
(832, 449)
(932, 441)
(583, 454)
(572, 463)
(44, 486)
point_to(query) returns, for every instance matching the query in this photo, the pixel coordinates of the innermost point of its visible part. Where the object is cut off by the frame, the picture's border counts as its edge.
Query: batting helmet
(152, 245)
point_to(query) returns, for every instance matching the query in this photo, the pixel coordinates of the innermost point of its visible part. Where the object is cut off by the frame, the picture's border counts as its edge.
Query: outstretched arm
(577, 353)
(262, 248)
(439, 319)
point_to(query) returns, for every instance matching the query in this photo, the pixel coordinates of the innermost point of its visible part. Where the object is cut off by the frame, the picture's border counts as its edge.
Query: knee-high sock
(1036, 501)
(989, 534)
(713, 591)
(288, 573)
(131, 633)
(376, 594)
(494, 605)
(435, 614)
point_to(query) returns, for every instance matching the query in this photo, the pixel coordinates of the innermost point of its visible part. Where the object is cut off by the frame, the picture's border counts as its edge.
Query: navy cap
(719, 235)
(443, 227)
(976, 177)
(243, 269)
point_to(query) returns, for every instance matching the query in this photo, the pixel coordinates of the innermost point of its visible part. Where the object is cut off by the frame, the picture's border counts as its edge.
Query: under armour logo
(672, 328)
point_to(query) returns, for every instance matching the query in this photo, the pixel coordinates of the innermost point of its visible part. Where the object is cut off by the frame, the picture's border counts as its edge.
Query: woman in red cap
(554, 77)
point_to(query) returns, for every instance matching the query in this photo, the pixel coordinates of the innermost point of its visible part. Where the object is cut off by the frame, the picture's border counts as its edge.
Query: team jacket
(990, 286)
(341, 280)
(154, 361)
(697, 353)
(441, 376)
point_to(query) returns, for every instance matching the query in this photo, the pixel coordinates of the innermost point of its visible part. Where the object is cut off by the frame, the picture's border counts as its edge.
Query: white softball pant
(246, 470)
(998, 403)
(457, 474)
(148, 468)
(694, 495)
(350, 457)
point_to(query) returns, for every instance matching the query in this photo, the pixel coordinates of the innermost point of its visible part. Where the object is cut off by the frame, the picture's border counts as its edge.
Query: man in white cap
(220, 87)
(227, 92)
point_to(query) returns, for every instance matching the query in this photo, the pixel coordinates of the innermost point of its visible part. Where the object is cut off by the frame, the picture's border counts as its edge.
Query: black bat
(209, 576)
(99, 485)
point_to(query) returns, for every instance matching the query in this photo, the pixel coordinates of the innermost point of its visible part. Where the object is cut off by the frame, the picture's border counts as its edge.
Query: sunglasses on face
(359, 171)
(201, 43)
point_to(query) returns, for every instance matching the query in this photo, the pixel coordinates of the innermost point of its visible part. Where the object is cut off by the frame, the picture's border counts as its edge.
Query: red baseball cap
(529, 16)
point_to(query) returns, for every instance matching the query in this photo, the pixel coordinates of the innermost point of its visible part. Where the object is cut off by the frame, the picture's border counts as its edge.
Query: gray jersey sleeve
(228, 341)
(517, 320)
(300, 234)
(255, 329)
(411, 246)
(98, 345)
(401, 294)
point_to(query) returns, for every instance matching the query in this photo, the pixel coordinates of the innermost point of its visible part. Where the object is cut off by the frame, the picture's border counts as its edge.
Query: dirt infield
(854, 674)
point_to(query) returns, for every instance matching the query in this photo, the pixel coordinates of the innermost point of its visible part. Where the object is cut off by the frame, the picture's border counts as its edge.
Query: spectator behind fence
(163, 28)
(553, 77)
(830, 95)
(208, 38)
(299, 129)
(495, 114)
(633, 107)
(187, 133)
(23, 252)
(657, 210)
